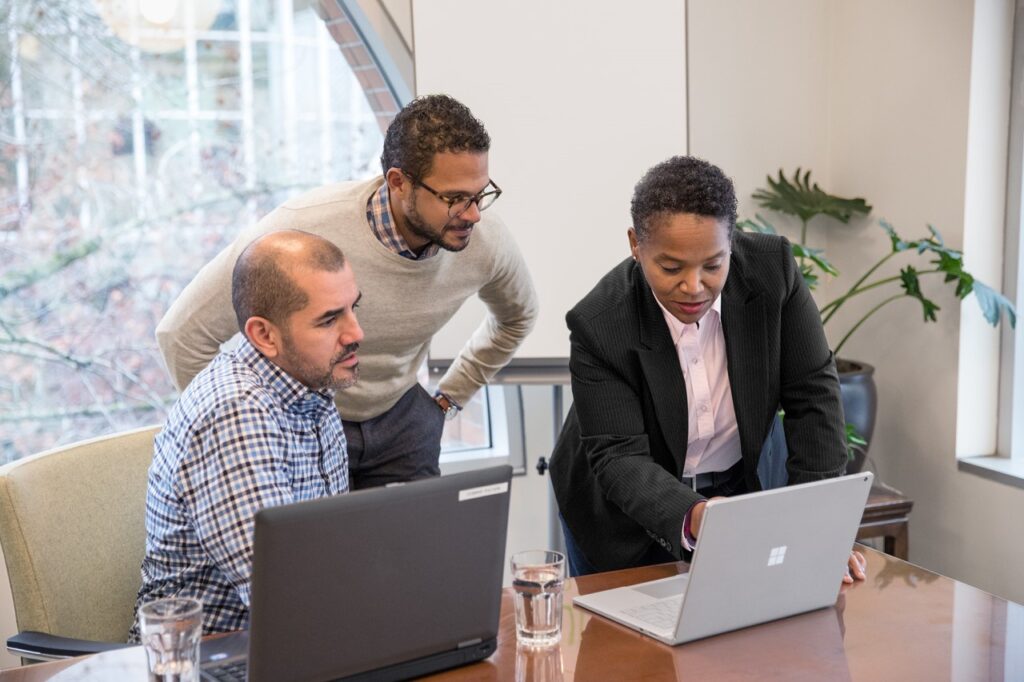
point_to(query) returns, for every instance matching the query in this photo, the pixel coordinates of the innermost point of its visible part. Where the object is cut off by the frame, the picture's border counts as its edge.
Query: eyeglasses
(459, 204)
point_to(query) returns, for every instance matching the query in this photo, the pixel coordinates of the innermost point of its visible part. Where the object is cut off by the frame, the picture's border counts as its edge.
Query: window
(990, 409)
(487, 432)
(126, 166)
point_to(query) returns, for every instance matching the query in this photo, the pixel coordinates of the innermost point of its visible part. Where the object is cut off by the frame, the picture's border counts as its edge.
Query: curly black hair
(429, 125)
(682, 184)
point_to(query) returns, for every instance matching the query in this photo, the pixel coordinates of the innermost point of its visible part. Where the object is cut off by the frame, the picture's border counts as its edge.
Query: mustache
(345, 352)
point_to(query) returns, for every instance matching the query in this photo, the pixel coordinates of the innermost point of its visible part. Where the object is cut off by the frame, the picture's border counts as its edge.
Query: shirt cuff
(689, 542)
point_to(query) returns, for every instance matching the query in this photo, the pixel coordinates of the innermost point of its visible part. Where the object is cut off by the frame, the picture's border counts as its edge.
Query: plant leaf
(898, 244)
(993, 304)
(912, 287)
(805, 200)
(816, 256)
(854, 441)
(759, 225)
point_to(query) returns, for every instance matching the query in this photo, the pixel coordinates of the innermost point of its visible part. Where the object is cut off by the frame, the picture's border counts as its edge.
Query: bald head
(263, 284)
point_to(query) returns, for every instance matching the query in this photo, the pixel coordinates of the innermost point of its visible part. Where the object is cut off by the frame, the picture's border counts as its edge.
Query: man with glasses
(411, 237)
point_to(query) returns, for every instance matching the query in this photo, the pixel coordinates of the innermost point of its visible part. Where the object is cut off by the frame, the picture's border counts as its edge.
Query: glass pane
(264, 15)
(219, 83)
(305, 22)
(471, 430)
(118, 223)
(227, 18)
(307, 80)
(164, 84)
(45, 76)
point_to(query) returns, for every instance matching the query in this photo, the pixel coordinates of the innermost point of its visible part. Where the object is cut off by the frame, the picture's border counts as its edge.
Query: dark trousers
(403, 444)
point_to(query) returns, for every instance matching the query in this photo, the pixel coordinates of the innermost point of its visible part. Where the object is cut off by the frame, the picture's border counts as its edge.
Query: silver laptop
(381, 584)
(761, 556)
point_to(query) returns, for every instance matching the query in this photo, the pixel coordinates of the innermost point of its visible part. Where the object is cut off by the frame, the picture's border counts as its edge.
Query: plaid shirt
(378, 214)
(244, 435)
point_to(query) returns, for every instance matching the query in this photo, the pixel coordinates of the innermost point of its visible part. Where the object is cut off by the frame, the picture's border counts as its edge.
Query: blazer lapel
(660, 363)
(743, 325)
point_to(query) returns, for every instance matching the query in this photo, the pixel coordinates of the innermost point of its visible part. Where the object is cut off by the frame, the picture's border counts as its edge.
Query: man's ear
(396, 179)
(264, 335)
(633, 242)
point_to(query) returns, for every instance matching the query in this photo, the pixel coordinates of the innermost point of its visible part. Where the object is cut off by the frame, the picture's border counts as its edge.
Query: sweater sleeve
(511, 313)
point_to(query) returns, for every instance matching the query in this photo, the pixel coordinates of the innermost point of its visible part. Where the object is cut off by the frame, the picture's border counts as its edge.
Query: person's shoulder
(752, 243)
(763, 261)
(334, 193)
(321, 206)
(224, 391)
(611, 295)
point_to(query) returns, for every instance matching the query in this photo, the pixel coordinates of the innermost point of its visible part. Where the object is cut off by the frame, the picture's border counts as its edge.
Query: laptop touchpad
(663, 589)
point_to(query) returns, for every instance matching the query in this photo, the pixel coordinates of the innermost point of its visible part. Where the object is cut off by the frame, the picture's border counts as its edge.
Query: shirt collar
(676, 327)
(382, 224)
(293, 394)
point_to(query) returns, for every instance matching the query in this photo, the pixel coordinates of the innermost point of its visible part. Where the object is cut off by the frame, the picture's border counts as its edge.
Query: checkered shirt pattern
(244, 435)
(378, 214)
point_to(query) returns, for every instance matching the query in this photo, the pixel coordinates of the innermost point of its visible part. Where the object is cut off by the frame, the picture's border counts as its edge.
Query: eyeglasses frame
(475, 199)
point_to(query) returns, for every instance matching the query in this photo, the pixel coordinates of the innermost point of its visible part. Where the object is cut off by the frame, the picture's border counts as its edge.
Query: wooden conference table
(903, 623)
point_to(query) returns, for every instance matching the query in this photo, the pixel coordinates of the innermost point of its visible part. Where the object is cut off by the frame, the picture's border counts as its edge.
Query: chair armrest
(43, 647)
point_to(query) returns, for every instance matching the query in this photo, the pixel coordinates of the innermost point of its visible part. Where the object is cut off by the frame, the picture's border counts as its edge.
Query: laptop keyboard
(662, 614)
(229, 672)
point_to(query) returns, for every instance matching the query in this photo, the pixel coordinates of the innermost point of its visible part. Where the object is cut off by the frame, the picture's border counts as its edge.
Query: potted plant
(929, 258)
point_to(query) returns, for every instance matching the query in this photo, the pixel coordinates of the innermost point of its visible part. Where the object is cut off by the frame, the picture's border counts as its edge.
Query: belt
(713, 479)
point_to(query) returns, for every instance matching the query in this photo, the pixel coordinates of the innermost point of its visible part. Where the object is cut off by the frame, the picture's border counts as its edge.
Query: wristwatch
(447, 405)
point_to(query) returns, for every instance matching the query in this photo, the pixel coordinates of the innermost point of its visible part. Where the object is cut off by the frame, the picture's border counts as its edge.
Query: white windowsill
(1001, 469)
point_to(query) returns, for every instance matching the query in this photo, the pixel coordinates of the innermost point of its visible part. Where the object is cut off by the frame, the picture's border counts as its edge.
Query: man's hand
(856, 567)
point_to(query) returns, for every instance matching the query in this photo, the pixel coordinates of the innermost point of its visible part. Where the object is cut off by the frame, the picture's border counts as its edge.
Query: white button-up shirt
(713, 439)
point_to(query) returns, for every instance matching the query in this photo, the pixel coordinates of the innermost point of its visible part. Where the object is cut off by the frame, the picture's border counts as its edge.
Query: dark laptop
(381, 584)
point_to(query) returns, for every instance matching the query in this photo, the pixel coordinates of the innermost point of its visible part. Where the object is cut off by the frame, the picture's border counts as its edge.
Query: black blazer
(616, 466)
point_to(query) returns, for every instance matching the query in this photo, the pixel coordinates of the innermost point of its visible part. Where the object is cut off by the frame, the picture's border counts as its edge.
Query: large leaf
(805, 200)
(993, 304)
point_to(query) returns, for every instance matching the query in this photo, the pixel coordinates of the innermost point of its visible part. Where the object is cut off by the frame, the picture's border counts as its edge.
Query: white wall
(874, 95)
(579, 102)
(901, 136)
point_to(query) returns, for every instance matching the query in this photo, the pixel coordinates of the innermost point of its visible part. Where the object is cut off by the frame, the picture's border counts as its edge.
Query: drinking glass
(171, 630)
(538, 577)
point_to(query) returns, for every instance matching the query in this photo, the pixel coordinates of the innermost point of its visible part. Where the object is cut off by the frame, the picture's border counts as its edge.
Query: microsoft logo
(777, 556)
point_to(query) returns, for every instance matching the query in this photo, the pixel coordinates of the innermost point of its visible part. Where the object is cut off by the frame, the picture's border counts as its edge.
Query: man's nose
(352, 333)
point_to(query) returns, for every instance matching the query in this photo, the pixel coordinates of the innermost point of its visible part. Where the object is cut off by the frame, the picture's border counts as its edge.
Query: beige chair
(72, 527)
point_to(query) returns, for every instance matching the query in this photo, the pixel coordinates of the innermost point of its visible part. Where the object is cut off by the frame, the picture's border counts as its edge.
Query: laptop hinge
(469, 642)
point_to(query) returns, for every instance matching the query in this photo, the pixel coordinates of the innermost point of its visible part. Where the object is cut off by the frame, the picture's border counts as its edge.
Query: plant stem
(864, 319)
(832, 306)
(803, 233)
(852, 290)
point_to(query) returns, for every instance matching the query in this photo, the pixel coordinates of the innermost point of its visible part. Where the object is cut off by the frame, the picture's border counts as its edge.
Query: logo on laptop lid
(777, 555)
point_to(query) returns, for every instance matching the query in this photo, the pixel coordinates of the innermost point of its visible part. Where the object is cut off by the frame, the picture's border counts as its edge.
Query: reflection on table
(903, 623)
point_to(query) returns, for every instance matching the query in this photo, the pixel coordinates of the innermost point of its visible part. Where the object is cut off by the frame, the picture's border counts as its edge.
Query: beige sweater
(405, 302)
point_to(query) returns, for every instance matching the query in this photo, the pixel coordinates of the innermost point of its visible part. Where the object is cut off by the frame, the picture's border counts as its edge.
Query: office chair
(72, 528)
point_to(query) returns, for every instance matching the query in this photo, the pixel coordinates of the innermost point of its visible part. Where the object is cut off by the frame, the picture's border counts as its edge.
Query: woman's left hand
(856, 567)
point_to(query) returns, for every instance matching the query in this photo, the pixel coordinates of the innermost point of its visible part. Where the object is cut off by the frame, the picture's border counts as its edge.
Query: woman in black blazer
(619, 463)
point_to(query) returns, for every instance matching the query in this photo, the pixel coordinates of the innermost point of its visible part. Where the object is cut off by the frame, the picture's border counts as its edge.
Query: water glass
(171, 630)
(538, 578)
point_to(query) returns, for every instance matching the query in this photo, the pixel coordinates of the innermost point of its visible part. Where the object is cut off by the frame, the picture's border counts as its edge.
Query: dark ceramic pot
(860, 404)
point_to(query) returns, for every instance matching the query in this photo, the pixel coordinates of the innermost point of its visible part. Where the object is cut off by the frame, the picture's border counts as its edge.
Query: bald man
(257, 427)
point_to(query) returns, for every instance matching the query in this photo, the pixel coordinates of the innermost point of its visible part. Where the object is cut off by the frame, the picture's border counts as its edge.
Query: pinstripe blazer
(616, 466)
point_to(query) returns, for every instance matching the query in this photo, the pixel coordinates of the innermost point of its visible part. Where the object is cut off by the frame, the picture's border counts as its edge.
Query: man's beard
(417, 226)
(317, 378)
